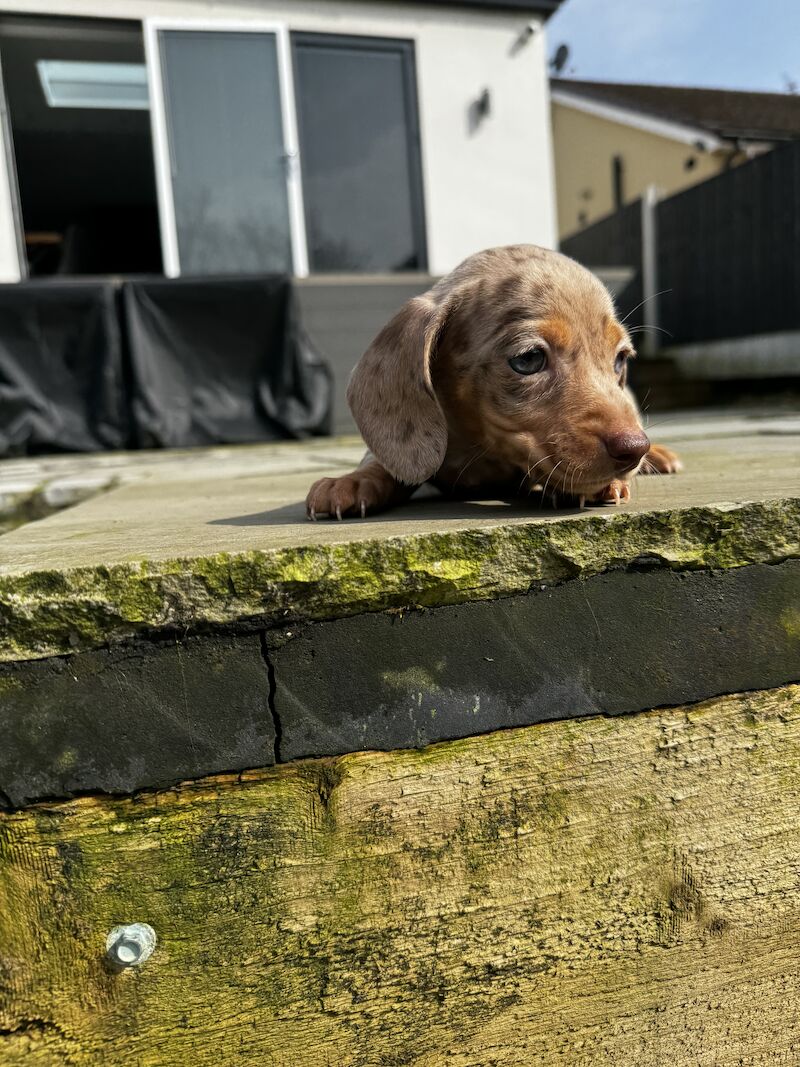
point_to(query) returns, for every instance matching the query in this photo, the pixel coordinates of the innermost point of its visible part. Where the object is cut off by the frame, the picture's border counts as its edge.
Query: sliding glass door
(359, 140)
(226, 154)
(239, 195)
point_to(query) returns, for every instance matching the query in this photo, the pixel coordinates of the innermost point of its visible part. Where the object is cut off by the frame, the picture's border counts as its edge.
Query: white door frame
(161, 148)
(13, 254)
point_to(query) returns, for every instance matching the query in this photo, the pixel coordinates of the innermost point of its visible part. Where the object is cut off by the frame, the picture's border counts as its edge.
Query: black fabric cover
(60, 369)
(221, 361)
(148, 363)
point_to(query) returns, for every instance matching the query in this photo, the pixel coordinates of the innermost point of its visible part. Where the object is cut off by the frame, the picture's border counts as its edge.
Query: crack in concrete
(265, 648)
(273, 687)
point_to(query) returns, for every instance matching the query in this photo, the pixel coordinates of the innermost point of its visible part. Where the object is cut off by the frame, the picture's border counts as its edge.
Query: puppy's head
(518, 352)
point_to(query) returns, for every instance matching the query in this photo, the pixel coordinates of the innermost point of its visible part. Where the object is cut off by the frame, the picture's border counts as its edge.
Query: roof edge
(545, 8)
(580, 85)
(639, 120)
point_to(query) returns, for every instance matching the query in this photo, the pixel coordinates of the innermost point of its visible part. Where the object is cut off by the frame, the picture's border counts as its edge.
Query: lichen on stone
(49, 612)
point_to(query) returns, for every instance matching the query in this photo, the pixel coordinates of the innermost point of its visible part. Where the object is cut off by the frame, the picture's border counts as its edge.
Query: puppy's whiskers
(643, 302)
(577, 469)
(643, 329)
(649, 424)
(549, 476)
(528, 474)
(473, 459)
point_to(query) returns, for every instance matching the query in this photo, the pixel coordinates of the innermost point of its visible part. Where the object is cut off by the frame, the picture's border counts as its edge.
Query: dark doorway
(80, 125)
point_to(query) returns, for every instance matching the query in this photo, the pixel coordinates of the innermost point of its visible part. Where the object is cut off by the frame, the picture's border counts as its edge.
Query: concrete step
(469, 783)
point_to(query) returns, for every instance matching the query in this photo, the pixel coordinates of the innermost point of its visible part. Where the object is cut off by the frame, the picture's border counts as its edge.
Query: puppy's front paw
(616, 492)
(661, 460)
(352, 495)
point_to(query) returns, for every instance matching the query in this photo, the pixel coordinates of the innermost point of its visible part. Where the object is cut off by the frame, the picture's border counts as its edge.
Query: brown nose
(626, 449)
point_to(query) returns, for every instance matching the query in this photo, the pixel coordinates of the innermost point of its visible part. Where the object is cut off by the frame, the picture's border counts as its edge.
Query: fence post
(650, 315)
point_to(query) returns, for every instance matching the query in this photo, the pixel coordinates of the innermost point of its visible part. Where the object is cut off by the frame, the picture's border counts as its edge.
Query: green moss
(66, 759)
(790, 621)
(413, 678)
(138, 596)
(553, 806)
(300, 892)
(53, 612)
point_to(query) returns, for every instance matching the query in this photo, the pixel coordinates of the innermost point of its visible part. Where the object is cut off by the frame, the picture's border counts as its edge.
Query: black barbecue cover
(61, 375)
(220, 362)
(149, 363)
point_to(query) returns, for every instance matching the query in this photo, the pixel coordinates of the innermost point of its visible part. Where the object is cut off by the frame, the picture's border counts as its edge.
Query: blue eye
(620, 362)
(530, 362)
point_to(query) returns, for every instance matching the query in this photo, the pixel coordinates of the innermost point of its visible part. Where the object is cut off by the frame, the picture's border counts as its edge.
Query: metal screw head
(131, 944)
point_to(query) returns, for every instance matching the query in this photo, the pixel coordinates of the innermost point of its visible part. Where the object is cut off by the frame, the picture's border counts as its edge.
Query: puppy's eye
(621, 362)
(530, 362)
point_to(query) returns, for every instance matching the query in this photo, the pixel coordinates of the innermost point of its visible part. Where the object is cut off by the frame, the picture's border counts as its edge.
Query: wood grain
(596, 891)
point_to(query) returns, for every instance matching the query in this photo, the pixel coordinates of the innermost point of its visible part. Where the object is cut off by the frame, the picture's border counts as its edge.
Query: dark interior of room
(85, 174)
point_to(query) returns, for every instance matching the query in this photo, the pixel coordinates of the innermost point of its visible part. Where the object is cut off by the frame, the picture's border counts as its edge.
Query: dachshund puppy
(509, 375)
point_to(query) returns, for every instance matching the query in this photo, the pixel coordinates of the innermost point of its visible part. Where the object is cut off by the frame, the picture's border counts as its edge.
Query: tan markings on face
(614, 333)
(557, 333)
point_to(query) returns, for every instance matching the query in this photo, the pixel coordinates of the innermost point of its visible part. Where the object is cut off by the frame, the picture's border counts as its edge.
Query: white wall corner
(9, 249)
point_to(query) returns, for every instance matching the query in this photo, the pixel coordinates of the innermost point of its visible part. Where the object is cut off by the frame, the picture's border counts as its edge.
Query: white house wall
(487, 186)
(9, 255)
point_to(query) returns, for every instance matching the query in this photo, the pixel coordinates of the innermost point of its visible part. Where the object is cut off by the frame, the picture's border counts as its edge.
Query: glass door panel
(357, 118)
(226, 171)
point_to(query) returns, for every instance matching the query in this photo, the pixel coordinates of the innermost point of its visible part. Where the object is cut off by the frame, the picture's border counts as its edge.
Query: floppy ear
(392, 398)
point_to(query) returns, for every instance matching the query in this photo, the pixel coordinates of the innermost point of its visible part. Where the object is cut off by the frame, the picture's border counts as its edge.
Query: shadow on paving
(424, 509)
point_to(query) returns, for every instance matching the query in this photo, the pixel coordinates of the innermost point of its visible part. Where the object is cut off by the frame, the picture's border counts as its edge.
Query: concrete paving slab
(209, 504)
(34, 488)
(213, 536)
(27, 473)
(127, 467)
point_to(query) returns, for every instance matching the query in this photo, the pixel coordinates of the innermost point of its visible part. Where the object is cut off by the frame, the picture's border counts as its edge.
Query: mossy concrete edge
(54, 612)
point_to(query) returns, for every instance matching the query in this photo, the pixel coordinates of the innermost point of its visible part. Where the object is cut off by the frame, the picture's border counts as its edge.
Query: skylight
(67, 83)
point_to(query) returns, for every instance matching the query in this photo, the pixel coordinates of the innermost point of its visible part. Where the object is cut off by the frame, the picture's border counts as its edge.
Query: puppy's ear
(392, 397)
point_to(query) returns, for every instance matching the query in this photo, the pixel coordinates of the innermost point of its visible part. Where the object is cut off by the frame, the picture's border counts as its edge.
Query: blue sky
(730, 44)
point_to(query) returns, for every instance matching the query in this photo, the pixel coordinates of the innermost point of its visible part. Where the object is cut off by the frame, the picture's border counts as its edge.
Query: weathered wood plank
(591, 891)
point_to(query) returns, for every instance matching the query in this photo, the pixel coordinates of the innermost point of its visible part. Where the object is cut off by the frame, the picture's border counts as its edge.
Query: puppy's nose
(627, 448)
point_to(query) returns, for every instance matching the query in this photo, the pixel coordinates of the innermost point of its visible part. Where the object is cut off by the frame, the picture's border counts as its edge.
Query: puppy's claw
(615, 492)
(368, 489)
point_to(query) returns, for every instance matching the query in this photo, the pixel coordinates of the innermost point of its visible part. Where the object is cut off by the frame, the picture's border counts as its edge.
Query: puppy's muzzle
(627, 449)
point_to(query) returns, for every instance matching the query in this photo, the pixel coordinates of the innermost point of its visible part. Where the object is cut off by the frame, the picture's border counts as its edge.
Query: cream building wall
(584, 146)
(483, 186)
